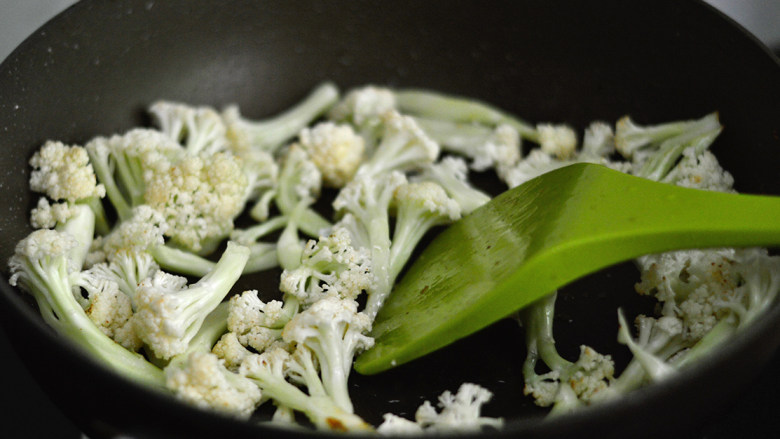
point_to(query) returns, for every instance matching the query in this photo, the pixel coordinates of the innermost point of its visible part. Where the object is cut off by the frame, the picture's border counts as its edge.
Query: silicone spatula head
(536, 238)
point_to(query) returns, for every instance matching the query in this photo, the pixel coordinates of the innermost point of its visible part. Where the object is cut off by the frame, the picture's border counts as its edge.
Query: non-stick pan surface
(96, 67)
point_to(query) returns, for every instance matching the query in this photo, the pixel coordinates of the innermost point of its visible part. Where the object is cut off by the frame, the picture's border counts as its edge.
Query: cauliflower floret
(199, 129)
(64, 173)
(124, 163)
(404, 146)
(420, 207)
(557, 140)
(170, 313)
(459, 413)
(502, 149)
(364, 105)
(452, 174)
(333, 330)
(598, 141)
(256, 323)
(700, 171)
(46, 215)
(696, 286)
(593, 373)
(111, 310)
(141, 232)
(329, 266)
(270, 371)
(336, 150)
(204, 381)
(199, 197)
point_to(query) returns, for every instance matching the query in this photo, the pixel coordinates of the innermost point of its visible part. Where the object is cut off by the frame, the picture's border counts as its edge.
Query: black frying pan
(97, 66)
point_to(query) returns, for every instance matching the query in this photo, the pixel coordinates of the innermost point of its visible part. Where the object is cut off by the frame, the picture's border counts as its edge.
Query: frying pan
(94, 69)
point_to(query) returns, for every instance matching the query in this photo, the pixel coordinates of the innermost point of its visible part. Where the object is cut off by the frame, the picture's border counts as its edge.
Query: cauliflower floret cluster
(199, 198)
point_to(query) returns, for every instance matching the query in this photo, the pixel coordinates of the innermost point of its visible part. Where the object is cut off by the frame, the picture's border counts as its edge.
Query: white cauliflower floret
(700, 171)
(336, 150)
(404, 146)
(363, 105)
(124, 163)
(557, 140)
(255, 323)
(329, 266)
(598, 141)
(693, 285)
(420, 207)
(42, 245)
(452, 174)
(44, 265)
(141, 232)
(199, 129)
(334, 331)
(532, 166)
(459, 413)
(46, 215)
(199, 197)
(111, 310)
(500, 150)
(593, 373)
(170, 313)
(573, 383)
(269, 370)
(203, 380)
(64, 173)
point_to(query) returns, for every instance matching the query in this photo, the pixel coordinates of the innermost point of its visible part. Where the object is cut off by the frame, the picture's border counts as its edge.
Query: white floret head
(599, 140)
(204, 381)
(158, 315)
(200, 129)
(39, 247)
(64, 173)
(336, 150)
(46, 215)
(330, 316)
(459, 412)
(142, 231)
(363, 105)
(502, 149)
(593, 374)
(230, 350)
(246, 311)
(111, 311)
(428, 198)
(557, 140)
(701, 171)
(199, 197)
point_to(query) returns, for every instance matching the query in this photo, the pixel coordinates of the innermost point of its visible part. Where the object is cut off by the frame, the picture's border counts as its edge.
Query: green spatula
(536, 238)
